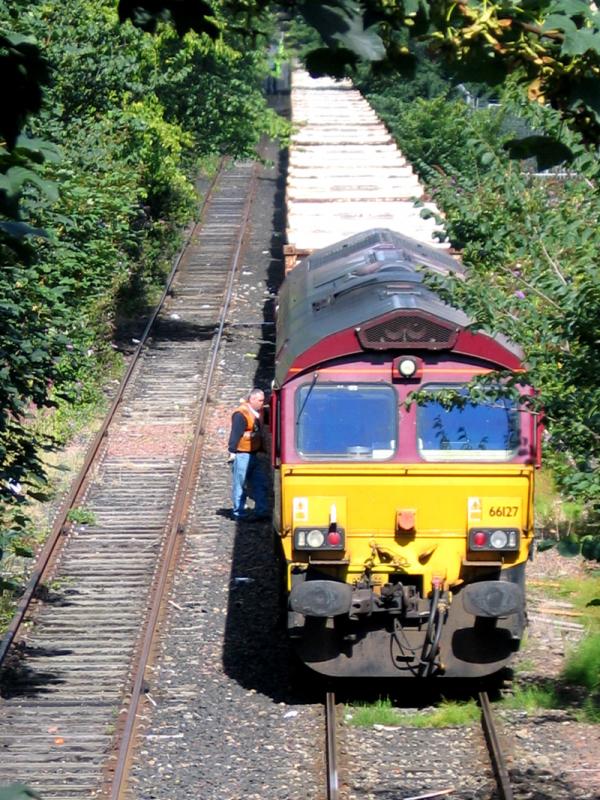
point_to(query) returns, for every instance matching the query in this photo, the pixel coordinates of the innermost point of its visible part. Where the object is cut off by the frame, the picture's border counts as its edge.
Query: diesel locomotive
(405, 527)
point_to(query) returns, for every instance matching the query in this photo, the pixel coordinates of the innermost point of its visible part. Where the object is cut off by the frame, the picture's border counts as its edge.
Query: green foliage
(341, 24)
(423, 78)
(83, 516)
(17, 791)
(186, 15)
(545, 544)
(569, 546)
(342, 27)
(215, 93)
(448, 713)
(93, 194)
(12, 542)
(531, 255)
(549, 695)
(582, 668)
(301, 38)
(590, 547)
(155, 147)
(583, 664)
(532, 698)
(24, 72)
(552, 47)
(441, 132)
(381, 712)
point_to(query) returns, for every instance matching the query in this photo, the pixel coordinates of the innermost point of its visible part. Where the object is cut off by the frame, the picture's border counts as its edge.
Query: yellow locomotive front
(405, 527)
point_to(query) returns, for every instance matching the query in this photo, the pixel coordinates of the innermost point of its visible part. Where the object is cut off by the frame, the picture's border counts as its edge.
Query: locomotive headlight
(499, 539)
(315, 538)
(407, 367)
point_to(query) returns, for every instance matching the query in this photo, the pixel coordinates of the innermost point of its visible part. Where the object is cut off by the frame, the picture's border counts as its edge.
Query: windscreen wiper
(308, 394)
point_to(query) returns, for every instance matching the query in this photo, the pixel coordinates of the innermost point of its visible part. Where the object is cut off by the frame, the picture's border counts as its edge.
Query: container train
(405, 527)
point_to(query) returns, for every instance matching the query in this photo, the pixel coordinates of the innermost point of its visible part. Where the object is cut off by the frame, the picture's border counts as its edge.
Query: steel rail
(496, 756)
(58, 528)
(179, 519)
(333, 785)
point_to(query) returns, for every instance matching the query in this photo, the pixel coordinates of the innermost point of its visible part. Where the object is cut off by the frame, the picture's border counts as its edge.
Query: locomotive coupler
(362, 603)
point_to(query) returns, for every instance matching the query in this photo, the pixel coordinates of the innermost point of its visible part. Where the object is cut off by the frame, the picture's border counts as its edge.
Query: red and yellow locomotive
(405, 527)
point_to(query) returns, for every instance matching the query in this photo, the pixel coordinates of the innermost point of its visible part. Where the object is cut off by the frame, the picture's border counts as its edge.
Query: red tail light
(334, 538)
(479, 538)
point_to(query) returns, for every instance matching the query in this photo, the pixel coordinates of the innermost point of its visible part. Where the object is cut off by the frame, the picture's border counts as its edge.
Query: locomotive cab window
(473, 432)
(347, 421)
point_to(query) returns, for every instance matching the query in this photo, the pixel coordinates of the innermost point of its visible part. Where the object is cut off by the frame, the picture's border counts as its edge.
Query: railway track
(494, 748)
(425, 761)
(76, 669)
(331, 757)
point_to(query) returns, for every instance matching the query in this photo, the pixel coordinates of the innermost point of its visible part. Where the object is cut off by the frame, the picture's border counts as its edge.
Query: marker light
(315, 538)
(334, 538)
(499, 539)
(479, 538)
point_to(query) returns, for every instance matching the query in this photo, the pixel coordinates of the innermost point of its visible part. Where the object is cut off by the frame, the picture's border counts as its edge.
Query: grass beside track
(382, 712)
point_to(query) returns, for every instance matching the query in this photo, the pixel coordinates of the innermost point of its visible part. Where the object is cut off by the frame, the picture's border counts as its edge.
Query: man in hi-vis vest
(245, 443)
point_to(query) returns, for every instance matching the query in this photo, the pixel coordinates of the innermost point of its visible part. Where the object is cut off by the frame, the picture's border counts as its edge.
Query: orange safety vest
(251, 440)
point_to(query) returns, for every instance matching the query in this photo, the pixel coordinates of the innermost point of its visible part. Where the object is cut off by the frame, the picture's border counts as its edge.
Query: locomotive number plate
(491, 511)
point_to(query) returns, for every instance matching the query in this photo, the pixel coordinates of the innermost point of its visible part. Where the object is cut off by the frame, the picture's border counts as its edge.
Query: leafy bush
(436, 132)
(590, 547)
(532, 258)
(423, 78)
(93, 196)
(215, 94)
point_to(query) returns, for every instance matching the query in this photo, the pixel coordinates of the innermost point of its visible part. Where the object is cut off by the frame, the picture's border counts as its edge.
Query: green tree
(552, 46)
(93, 192)
(532, 258)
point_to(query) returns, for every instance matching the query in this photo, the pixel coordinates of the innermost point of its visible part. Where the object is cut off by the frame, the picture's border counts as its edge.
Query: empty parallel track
(72, 674)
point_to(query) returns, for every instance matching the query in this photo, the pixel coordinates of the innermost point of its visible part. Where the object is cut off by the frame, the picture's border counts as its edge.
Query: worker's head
(256, 399)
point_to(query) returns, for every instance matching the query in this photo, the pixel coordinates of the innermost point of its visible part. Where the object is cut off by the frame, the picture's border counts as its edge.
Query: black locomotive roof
(351, 282)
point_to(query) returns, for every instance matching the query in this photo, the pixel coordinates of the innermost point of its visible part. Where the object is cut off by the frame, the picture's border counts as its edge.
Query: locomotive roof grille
(401, 331)
(408, 287)
(334, 253)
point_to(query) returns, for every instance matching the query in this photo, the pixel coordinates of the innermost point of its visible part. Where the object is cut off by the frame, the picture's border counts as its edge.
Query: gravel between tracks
(221, 722)
(403, 762)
